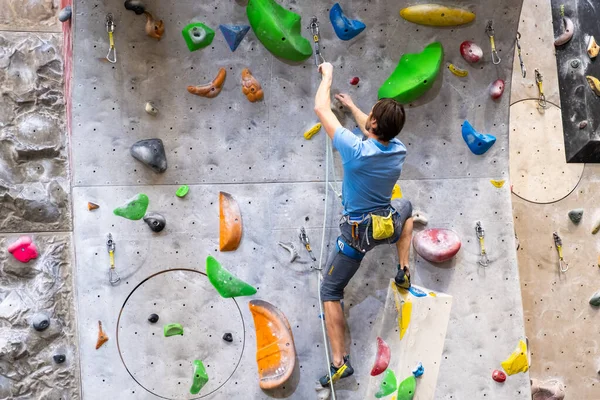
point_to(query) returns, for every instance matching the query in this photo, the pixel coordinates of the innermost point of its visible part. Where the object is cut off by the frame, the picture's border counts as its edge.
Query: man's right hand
(326, 69)
(345, 99)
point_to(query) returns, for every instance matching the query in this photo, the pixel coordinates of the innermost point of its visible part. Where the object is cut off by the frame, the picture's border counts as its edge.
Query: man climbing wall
(371, 168)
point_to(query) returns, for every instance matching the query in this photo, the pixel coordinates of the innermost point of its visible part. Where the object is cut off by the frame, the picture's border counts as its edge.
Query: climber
(371, 168)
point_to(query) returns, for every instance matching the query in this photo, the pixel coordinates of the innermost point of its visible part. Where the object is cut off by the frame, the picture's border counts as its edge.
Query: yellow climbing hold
(436, 15)
(396, 192)
(458, 71)
(517, 362)
(312, 131)
(403, 307)
(496, 183)
(433, 294)
(594, 84)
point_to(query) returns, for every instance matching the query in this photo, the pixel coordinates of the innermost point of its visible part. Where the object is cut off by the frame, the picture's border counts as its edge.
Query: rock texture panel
(35, 15)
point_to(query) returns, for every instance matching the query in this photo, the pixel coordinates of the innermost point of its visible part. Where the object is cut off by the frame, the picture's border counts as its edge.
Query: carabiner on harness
(562, 264)
(111, 56)
(113, 277)
(489, 29)
(483, 258)
(541, 98)
(314, 31)
(523, 70)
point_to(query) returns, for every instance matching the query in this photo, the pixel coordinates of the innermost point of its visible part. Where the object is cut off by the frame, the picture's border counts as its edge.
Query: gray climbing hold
(228, 337)
(155, 221)
(575, 215)
(150, 152)
(583, 124)
(65, 14)
(153, 318)
(595, 299)
(59, 358)
(40, 322)
(136, 6)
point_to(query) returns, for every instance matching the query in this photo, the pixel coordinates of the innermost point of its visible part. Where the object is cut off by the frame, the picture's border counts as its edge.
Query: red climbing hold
(470, 51)
(497, 89)
(23, 249)
(354, 81)
(436, 245)
(498, 376)
(382, 359)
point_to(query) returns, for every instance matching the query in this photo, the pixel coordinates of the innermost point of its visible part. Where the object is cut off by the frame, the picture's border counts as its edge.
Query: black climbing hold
(59, 358)
(155, 221)
(228, 337)
(153, 318)
(150, 152)
(65, 14)
(40, 322)
(136, 6)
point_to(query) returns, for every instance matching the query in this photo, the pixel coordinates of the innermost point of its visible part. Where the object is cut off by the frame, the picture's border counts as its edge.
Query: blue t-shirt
(370, 171)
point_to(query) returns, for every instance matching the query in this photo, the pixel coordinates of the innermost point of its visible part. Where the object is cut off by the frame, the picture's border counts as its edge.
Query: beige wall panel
(30, 15)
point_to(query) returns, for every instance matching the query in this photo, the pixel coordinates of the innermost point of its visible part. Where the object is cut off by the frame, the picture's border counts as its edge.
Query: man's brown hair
(389, 115)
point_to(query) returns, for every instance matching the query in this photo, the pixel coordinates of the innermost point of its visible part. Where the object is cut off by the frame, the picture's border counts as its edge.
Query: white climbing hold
(419, 218)
(151, 109)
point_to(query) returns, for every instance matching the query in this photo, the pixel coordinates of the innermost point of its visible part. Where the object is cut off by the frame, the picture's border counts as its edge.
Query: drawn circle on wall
(163, 365)
(539, 172)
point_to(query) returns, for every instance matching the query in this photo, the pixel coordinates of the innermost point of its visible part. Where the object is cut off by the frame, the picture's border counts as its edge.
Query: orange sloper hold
(102, 337)
(211, 89)
(250, 86)
(154, 28)
(275, 351)
(230, 223)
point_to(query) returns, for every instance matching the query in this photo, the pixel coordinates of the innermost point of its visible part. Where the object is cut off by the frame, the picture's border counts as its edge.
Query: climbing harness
(489, 29)
(314, 30)
(562, 264)
(483, 257)
(306, 242)
(523, 69)
(113, 277)
(348, 250)
(541, 98)
(110, 28)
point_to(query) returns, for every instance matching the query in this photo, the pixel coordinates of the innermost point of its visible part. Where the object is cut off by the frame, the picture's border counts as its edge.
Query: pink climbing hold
(436, 245)
(23, 249)
(498, 376)
(354, 81)
(382, 359)
(497, 89)
(470, 51)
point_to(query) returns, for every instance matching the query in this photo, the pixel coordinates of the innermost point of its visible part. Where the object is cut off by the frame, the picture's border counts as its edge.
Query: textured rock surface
(34, 15)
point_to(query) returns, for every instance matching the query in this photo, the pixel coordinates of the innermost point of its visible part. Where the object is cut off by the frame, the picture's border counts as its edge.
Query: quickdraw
(489, 29)
(306, 242)
(314, 30)
(483, 257)
(540, 84)
(110, 28)
(113, 277)
(562, 264)
(523, 69)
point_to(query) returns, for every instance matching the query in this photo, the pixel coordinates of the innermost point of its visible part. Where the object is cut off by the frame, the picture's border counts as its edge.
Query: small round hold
(153, 318)
(354, 81)
(40, 322)
(65, 14)
(498, 376)
(151, 109)
(136, 6)
(583, 124)
(497, 89)
(59, 358)
(228, 337)
(155, 221)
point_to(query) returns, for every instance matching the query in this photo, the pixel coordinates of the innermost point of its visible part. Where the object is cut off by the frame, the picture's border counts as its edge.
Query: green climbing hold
(182, 191)
(134, 209)
(197, 35)
(226, 284)
(278, 29)
(200, 377)
(414, 75)
(388, 385)
(406, 390)
(173, 329)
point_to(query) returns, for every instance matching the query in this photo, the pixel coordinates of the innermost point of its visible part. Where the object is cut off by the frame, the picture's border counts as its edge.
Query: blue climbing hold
(344, 28)
(419, 370)
(479, 143)
(234, 34)
(415, 291)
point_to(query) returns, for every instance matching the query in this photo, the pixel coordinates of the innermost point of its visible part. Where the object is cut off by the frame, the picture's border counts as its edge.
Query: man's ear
(373, 123)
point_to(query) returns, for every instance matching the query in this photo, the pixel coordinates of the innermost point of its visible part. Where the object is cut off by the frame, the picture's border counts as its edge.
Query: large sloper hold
(517, 361)
(278, 29)
(224, 282)
(437, 245)
(200, 377)
(567, 34)
(197, 36)
(230, 223)
(150, 152)
(436, 15)
(382, 358)
(344, 28)
(275, 351)
(478, 143)
(234, 34)
(414, 75)
(135, 208)
(211, 89)
(407, 388)
(388, 384)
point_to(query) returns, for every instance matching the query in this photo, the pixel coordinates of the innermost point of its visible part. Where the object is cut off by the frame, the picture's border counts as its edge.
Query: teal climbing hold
(172, 330)
(200, 377)
(388, 384)
(414, 75)
(134, 209)
(478, 143)
(406, 390)
(197, 35)
(226, 284)
(278, 29)
(234, 34)
(344, 28)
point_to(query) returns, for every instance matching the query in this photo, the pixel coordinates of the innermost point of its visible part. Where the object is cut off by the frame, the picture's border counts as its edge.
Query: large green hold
(134, 209)
(278, 29)
(414, 75)
(406, 390)
(226, 284)
(200, 377)
(388, 384)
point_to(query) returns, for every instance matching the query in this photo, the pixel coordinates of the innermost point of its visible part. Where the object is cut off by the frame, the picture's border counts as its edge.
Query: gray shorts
(341, 268)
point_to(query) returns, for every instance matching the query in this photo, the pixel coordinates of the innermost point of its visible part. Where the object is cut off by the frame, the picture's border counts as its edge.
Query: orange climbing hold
(250, 86)
(102, 337)
(275, 351)
(230, 223)
(154, 28)
(211, 89)
(92, 206)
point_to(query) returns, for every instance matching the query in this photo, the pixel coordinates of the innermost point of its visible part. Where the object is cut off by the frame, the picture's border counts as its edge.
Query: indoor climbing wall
(258, 154)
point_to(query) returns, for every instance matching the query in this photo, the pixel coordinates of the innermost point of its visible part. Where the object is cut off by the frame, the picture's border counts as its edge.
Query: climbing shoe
(403, 278)
(344, 371)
